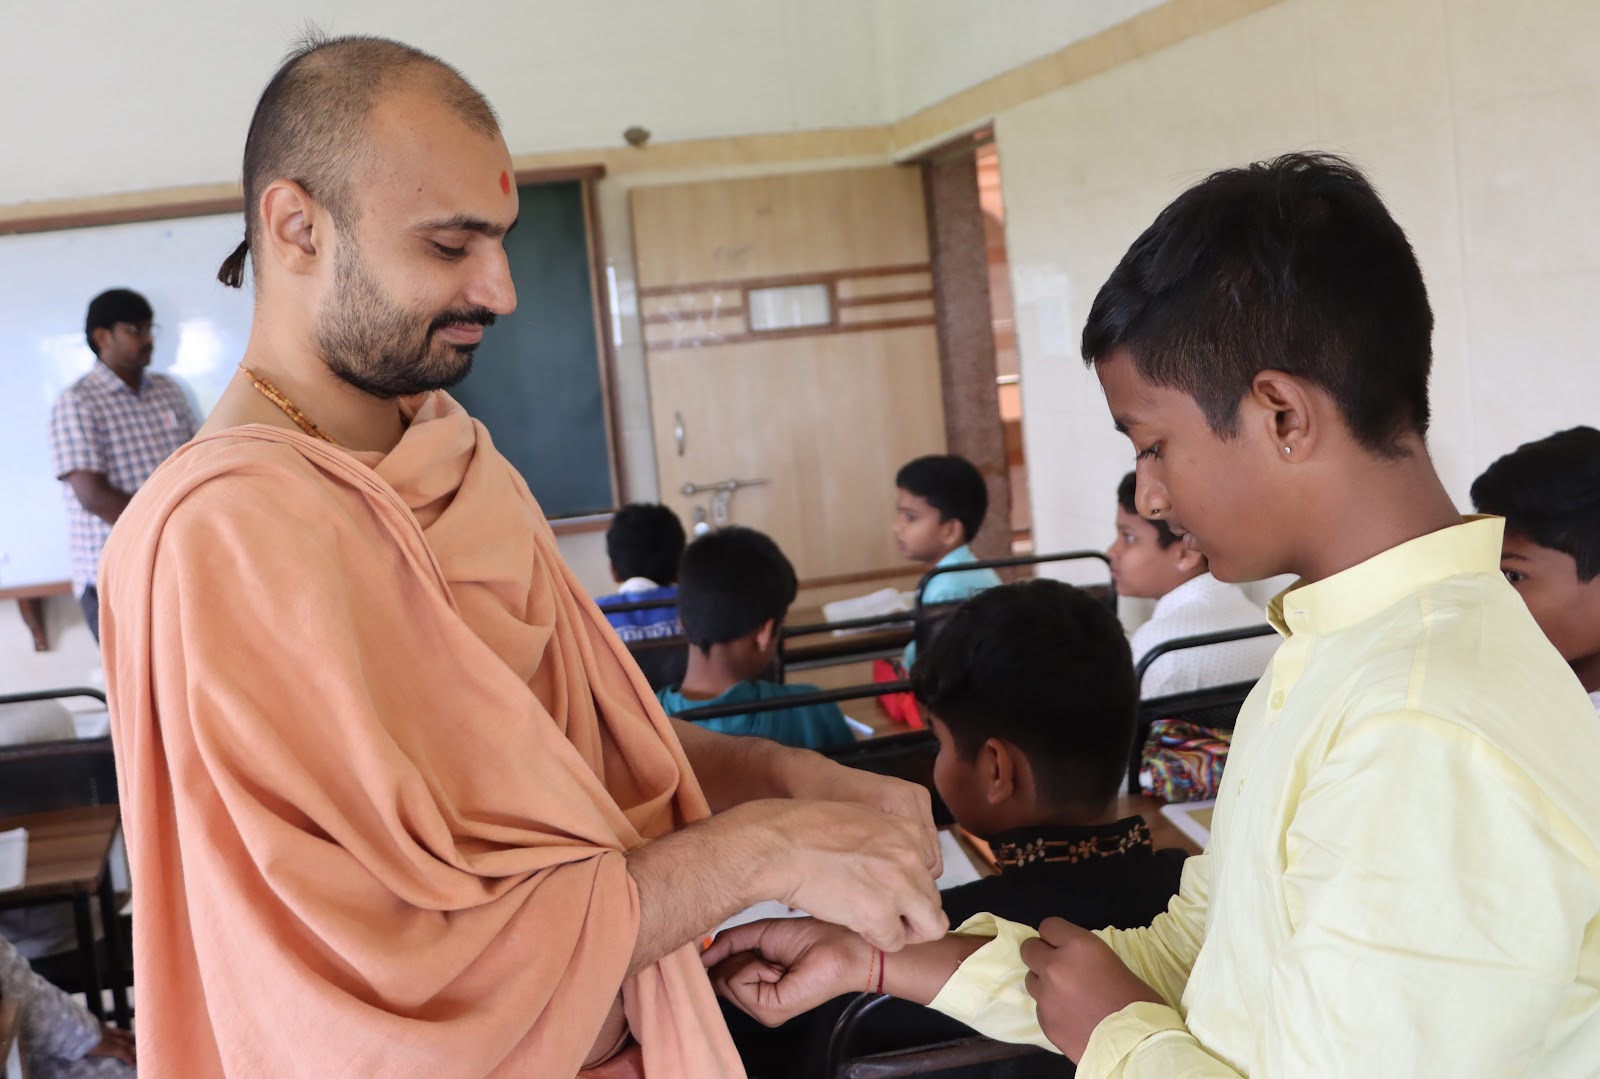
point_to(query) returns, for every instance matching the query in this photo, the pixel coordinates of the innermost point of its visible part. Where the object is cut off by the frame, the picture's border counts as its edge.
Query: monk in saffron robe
(397, 801)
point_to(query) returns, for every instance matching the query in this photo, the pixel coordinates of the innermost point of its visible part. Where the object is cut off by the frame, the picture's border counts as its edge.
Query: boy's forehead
(1518, 547)
(1132, 522)
(1132, 399)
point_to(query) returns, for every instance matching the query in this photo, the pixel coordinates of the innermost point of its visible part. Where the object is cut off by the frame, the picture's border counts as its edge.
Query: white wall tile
(1499, 48)
(1530, 175)
(1532, 341)
(1380, 65)
(1497, 195)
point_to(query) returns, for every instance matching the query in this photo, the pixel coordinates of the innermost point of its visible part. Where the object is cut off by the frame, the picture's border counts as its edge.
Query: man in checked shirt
(110, 430)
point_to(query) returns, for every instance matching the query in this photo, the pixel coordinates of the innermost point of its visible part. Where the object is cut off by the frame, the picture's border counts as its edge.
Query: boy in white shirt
(1150, 561)
(1549, 493)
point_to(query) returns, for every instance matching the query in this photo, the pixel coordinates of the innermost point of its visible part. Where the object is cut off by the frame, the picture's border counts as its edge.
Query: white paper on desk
(958, 870)
(885, 601)
(861, 729)
(1182, 814)
(13, 859)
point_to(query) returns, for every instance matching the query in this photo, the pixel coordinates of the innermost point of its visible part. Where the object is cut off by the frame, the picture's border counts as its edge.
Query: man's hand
(861, 868)
(1078, 981)
(772, 971)
(816, 777)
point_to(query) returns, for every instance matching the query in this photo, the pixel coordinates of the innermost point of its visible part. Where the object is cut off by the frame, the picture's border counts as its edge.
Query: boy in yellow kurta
(1404, 875)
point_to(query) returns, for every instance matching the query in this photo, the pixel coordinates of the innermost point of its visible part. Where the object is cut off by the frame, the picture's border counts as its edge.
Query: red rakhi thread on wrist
(883, 966)
(872, 964)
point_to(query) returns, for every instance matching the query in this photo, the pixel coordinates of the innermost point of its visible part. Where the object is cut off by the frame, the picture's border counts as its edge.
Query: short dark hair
(731, 581)
(111, 307)
(950, 484)
(1046, 667)
(1549, 491)
(310, 123)
(1127, 491)
(1292, 264)
(645, 540)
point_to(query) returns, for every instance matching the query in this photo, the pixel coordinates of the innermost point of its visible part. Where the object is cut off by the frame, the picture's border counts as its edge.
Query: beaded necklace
(273, 394)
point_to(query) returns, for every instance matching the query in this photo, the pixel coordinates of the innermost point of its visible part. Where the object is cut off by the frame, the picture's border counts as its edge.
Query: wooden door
(789, 336)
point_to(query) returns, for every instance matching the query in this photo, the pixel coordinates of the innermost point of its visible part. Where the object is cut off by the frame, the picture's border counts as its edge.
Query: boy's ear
(765, 633)
(1189, 560)
(952, 533)
(1001, 760)
(1288, 412)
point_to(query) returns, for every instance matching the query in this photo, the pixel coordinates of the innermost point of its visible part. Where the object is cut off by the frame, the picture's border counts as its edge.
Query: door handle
(677, 431)
(689, 490)
(721, 495)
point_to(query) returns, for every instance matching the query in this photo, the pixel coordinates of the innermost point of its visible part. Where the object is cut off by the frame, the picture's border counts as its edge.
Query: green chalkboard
(535, 380)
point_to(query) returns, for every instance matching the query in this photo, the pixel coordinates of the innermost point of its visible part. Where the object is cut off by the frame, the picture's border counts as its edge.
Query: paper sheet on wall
(958, 870)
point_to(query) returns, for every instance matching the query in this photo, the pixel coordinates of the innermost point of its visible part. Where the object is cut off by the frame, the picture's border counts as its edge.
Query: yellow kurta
(1404, 871)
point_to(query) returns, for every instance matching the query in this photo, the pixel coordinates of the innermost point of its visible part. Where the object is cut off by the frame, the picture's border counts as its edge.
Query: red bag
(901, 708)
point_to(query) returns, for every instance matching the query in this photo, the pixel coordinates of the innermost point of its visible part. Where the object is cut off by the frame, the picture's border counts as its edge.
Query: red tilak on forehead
(505, 182)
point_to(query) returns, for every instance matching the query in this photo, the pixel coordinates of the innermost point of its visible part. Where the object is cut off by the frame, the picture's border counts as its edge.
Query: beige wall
(931, 49)
(1479, 121)
(133, 97)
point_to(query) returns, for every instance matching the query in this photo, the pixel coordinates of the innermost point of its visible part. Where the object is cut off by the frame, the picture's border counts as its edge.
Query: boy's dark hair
(1126, 490)
(1549, 491)
(1292, 264)
(1046, 667)
(645, 540)
(731, 581)
(950, 484)
(111, 307)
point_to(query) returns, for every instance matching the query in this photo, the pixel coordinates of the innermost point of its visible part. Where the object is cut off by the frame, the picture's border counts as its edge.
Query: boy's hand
(774, 970)
(117, 1044)
(1078, 981)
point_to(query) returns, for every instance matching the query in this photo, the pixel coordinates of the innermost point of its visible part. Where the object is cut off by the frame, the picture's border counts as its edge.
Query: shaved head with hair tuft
(310, 125)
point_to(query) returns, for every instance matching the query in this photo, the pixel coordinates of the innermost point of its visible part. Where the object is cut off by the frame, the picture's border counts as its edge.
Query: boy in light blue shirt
(734, 589)
(939, 507)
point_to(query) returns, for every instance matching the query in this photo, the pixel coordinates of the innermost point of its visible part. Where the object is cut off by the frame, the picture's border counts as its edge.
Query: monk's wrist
(754, 850)
(794, 772)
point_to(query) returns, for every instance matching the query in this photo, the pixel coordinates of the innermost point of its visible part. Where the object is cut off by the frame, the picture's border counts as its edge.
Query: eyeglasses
(139, 329)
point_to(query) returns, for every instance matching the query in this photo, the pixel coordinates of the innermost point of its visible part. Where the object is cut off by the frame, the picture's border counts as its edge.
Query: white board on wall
(46, 282)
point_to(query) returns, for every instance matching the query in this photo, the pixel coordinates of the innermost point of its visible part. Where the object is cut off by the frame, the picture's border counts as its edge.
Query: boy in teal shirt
(734, 588)
(940, 505)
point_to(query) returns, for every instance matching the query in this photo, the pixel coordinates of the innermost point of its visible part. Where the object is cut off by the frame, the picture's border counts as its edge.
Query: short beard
(376, 346)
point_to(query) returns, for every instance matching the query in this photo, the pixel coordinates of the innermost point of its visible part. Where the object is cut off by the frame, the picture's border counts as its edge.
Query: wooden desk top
(67, 852)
